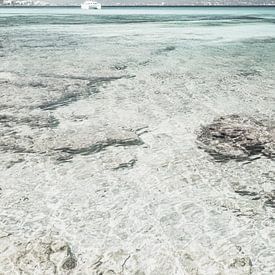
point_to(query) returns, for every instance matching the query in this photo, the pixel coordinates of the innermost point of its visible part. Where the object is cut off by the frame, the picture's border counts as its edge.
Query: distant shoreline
(150, 6)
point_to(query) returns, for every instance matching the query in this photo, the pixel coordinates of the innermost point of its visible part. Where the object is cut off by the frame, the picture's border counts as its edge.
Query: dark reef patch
(64, 100)
(166, 49)
(32, 121)
(249, 73)
(73, 93)
(37, 84)
(70, 262)
(266, 40)
(13, 162)
(119, 67)
(144, 63)
(7, 147)
(126, 165)
(239, 138)
(81, 77)
(270, 200)
(67, 153)
(246, 193)
(49, 255)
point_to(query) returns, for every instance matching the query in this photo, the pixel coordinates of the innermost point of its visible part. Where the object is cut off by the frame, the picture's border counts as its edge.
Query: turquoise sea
(194, 35)
(100, 113)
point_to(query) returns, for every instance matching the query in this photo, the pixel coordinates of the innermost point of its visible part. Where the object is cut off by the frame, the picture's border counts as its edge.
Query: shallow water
(99, 116)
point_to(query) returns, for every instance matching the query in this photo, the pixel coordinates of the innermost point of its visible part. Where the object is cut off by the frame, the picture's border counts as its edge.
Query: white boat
(89, 4)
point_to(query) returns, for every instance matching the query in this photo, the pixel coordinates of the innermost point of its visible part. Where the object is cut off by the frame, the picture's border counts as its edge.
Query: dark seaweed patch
(248, 73)
(166, 49)
(49, 122)
(64, 100)
(236, 138)
(126, 165)
(7, 147)
(270, 200)
(32, 121)
(37, 84)
(22, 83)
(144, 63)
(70, 262)
(68, 96)
(267, 40)
(4, 118)
(270, 203)
(12, 163)
(246, 193)
(69, 152)
(81, 77)
(120, 67)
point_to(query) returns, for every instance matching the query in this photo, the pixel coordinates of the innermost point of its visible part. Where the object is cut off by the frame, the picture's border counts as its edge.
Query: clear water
(72, 78)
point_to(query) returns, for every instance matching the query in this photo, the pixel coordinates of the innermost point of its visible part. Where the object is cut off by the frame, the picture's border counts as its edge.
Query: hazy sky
(172, 2)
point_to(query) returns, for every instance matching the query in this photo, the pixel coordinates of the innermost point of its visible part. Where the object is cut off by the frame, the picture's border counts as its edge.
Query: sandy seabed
(142, 149)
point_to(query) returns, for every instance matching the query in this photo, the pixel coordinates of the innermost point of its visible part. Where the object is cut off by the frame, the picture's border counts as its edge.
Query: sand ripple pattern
(137, 144)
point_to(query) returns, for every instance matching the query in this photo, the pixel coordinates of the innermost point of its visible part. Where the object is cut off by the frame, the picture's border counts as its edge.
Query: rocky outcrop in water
(238, 137)
(43, 255)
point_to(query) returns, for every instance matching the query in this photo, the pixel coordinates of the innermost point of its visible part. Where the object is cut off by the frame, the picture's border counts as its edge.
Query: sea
(101, 168)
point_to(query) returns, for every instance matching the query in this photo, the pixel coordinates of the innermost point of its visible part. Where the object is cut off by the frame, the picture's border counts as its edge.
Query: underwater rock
(46, 255)
(70, 262)
(243, 264)
(237, 137)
